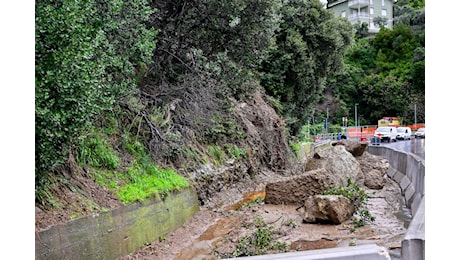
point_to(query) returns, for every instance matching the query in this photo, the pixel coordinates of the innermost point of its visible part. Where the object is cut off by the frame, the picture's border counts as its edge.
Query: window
(371, 10)
(344, 14)
(370, 2)
(383, 2)
(384, 12)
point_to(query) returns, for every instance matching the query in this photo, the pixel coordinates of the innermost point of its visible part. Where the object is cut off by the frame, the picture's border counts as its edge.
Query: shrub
(96, 152)
(359, 197)
(85, 58)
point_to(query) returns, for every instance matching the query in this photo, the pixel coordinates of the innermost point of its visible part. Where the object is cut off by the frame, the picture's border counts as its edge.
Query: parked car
(403, 133)
(420, 133)
(386, 133)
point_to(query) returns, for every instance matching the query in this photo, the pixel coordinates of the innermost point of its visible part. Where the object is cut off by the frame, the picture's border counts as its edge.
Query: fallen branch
(153, 129)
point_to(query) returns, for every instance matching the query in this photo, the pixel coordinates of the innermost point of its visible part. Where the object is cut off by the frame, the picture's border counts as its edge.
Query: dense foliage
(309, 46)
(86, 54)
(164, 75)
(385, 73)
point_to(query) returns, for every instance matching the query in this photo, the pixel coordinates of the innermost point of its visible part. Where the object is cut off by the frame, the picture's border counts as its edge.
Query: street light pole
(356, 115)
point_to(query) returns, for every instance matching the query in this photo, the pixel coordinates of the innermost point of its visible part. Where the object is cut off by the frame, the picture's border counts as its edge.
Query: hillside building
(359, 11)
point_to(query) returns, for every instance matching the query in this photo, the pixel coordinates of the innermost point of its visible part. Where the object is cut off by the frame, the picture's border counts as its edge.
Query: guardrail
(358, 132)
(409, 171)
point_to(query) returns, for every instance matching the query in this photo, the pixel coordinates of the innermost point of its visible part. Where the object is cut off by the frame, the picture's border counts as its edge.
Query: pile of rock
(333, 166)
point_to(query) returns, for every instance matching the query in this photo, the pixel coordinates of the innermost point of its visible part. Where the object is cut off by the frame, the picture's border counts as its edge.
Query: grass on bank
(141, 180)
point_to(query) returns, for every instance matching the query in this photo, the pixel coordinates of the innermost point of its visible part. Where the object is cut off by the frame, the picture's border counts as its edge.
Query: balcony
(354, 4)
(363, 17)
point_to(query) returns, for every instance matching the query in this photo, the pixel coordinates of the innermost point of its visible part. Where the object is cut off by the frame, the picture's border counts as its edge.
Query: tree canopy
(168, 72)
(309, 46)
(85, 59)
(385, 73)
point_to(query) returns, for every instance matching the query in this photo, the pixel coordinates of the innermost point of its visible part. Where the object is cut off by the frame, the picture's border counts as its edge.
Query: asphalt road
(414, 145)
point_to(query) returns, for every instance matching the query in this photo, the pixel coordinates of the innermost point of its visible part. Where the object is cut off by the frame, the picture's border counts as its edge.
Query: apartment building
(359, 11)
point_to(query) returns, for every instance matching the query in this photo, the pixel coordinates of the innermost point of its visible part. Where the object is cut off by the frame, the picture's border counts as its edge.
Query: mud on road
(217, 232)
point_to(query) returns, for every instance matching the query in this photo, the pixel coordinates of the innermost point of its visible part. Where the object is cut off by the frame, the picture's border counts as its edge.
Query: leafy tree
(85, 58)
(416, 4)
(395, 48)
(361, 30)
(205, 59)
(380, 21)
(385, 74)
(409, 15)
(240, 29)
(362, 54)
(309, 46)
(381, 96)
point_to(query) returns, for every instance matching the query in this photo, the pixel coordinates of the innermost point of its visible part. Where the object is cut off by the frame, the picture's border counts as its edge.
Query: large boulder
(356, 148)
(328, 209)
(374, 169)
(296, 189)
(339, 163)
(330, 166)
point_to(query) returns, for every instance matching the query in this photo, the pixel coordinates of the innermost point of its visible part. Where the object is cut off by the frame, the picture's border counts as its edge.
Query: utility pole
(356, 115)
(415, 114)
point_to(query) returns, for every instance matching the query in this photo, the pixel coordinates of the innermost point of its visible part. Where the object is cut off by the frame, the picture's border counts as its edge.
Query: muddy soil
(215, 232)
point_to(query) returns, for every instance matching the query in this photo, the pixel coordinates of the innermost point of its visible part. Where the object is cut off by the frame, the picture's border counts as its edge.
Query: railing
(415, 127)
(360, 132)
(351, 133)
(361, 15)
(365, 132)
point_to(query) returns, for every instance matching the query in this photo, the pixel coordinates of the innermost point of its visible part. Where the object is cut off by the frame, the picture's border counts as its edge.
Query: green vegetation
(359, 198)
(260, 241)
(292, 223)
(96, 152)
(309, 46)
(129, 88)
(142, 180)
(295, 146)
(148, 180)
(216, 153)
(235, 152)
(384, 73)
(251, 203)
(145, 178)
(86, 54)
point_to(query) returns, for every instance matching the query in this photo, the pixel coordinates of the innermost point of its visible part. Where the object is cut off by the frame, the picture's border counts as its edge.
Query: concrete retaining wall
(121, 231)
(118, 232)
(409, 171)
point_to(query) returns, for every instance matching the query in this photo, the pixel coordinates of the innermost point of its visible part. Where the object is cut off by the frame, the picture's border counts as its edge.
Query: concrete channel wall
(119, 232)
(409, 171)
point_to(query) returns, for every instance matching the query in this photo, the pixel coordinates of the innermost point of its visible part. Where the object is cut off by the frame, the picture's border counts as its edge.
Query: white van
(403, 133)
(386, 133)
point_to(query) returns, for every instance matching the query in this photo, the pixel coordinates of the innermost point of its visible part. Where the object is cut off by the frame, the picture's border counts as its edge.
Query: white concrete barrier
(362, 252)
(409, 171)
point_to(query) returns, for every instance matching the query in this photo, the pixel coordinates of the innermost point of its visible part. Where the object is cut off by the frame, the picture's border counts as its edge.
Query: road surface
(414, 145)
